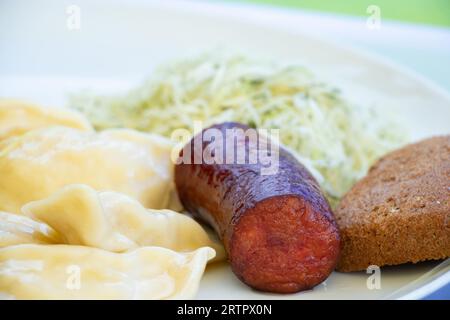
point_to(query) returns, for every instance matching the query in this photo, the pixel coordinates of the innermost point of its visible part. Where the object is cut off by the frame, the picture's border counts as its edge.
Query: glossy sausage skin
(278, 230)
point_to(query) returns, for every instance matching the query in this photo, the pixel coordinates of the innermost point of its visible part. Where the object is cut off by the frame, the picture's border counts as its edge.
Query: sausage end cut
(283, 245)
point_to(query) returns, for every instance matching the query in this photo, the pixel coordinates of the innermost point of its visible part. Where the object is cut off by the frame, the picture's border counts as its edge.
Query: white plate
(42, 60)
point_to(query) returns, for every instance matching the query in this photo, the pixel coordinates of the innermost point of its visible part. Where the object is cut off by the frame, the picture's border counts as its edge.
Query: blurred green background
(432, 12)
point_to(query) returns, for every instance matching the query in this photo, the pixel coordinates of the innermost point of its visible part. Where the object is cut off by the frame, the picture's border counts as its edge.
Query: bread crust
(400, 212)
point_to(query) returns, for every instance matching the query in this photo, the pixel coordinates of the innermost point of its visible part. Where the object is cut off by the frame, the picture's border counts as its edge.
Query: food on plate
(18, 117)
(40, 162)
(400, 212)
(17, 229)
(278, 229)
(88, 214)
(334, 138)
(115, 222)
(31, 271)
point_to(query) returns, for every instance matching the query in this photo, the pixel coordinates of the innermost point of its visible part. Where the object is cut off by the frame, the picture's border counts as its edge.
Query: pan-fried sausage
(278, 230)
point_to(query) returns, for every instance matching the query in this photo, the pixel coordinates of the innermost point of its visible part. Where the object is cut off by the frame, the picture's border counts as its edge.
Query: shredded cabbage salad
(336, 140)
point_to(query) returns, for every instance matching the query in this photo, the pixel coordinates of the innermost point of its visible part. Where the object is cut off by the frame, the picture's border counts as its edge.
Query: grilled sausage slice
(278, 230)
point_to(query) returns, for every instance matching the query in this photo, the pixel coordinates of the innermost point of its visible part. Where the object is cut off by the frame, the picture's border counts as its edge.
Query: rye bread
(400, 212)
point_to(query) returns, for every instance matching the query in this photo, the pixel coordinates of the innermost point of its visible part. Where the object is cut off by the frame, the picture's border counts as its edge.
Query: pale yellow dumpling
(35, 165)
(18, 229)
(77, 272)
(18, 117)
(115, 222)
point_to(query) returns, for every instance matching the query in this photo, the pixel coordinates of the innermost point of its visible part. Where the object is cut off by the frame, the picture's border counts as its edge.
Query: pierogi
(115, 222)
(40, 162)
(31, 271)
(18, 229)
(18, 117)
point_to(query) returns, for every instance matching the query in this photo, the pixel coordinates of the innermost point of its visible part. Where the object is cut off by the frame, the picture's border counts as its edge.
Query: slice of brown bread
(400, 212)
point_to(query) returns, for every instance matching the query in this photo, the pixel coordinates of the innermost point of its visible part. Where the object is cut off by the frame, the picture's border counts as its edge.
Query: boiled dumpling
(77, 272)
(116, 222)
(40, 162)
(18, 117)
(18, 229)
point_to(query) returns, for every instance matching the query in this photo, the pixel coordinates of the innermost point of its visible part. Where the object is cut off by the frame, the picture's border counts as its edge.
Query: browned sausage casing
(278, 230)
